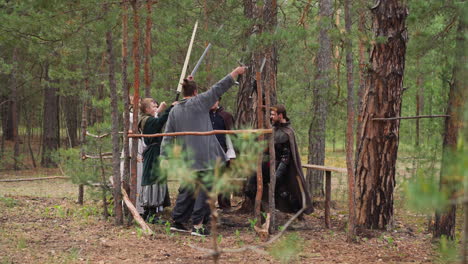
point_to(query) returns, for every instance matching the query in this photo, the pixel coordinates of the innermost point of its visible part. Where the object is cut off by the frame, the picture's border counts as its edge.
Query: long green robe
(157, 193)
(152, 125)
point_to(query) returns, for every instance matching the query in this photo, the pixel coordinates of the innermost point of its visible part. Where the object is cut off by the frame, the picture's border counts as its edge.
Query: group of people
(201, 112)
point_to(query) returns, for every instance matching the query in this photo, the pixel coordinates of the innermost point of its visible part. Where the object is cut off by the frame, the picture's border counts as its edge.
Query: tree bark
(362, 64)
(350, 121)
(378, 141)
(115, 132)
(445, 221)
(70, 107)
(245, 115)
(50, 137)
(317, 126)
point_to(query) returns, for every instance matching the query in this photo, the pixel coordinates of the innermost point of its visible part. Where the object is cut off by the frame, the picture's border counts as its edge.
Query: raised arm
(208, 98)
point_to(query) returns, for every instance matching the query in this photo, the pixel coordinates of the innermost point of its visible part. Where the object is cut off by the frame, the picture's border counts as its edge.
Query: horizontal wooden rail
(324, 168)
(205, 133)
(35, 179)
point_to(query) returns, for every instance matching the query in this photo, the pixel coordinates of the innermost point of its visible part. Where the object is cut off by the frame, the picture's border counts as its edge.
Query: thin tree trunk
(50, 120)
(84, 123)
(260, 115)
(115, 132)
(350, 122)
(14, 109)
(136, 99)
(378, 141)
(148, 49)
(317, 126)
(29, 131)
(7, 118)
(419, 100)
(105, 212)
(271, 149)
(70, 108)
(125, 87)
(445, 221)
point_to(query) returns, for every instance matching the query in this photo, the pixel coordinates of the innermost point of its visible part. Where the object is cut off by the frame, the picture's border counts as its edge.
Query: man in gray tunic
(192, 114)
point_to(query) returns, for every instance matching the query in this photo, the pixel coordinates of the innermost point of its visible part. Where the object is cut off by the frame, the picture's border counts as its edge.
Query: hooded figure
(290, 188)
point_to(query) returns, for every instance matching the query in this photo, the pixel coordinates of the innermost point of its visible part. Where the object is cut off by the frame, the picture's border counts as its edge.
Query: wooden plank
(327, 197)
(324, 168)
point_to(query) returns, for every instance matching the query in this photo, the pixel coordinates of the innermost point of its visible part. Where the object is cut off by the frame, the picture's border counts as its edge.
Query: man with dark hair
(223, 120)
(191, 114)
(290, 189)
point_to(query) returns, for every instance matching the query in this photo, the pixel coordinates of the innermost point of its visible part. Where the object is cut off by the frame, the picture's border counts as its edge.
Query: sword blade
(187, 58)
(195, 69)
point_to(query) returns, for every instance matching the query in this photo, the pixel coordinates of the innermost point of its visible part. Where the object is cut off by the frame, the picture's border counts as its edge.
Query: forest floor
(40, 222)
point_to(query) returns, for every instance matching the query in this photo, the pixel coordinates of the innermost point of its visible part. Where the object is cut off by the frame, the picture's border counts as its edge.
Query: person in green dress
(155, 194)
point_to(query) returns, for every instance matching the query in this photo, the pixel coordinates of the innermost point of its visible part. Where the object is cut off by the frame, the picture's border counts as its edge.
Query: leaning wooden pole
(136, 99)
(136, 216)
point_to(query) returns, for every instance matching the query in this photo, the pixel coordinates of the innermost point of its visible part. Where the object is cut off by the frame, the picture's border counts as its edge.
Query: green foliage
(447, 250)
(22, 244)
(8, 201)
(287, 249)
(423, 193)
(252, 223)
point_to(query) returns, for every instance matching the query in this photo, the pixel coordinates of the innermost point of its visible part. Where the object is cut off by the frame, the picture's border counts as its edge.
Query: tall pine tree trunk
(136, 99)
(50, 121)
(322, 84)
(445, 221)
(378, 140)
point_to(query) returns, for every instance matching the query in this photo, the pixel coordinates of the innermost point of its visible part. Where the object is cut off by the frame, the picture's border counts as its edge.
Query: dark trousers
(191, 204)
